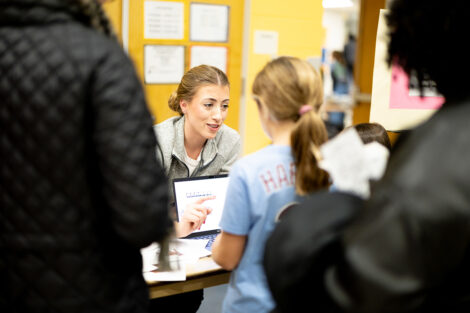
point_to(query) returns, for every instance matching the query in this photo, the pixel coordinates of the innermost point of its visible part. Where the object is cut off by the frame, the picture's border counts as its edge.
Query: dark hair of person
(339, 56)
(370, 132)
(91, 13)
(423, 37)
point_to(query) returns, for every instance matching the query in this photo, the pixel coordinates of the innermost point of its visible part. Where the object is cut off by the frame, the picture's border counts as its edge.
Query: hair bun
(173, 103)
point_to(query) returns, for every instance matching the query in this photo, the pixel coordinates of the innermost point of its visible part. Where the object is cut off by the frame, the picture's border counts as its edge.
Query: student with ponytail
(288, 93)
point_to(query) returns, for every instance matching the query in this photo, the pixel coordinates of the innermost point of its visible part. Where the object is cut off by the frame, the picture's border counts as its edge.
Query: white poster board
(163, 20)
(393, 104)
(215, 56)
(163, 64)
(208, 22)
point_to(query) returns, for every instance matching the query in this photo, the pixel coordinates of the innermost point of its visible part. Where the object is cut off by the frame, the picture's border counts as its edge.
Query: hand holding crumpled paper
(352, 164)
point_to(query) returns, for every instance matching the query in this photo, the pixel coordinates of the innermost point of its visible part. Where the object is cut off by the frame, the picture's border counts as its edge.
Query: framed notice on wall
(163, 20)
(208, 22)
(215, 56)
(163, 64)
(396, 101)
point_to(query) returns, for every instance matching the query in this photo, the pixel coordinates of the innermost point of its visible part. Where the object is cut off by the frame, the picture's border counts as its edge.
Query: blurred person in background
(81, 191)
(406, 249)
(350, 55)
(339, 74)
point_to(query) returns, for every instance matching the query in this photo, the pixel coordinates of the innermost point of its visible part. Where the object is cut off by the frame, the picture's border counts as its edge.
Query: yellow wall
(299, 24)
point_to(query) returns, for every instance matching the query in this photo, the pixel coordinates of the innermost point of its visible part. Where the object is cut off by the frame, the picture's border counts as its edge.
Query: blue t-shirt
(260, 185)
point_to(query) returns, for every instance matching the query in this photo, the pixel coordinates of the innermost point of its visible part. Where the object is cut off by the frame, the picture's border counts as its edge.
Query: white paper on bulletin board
(163, 20)
(383, 111)
(266, 42)
(215, 56)
(163, 64)
(208, 22)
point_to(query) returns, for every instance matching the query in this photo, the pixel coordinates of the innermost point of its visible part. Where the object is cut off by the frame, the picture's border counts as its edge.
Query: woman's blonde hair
(285, 85)
(202, 75)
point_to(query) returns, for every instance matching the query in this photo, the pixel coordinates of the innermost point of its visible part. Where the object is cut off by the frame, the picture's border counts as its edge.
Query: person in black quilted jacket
(80, 189)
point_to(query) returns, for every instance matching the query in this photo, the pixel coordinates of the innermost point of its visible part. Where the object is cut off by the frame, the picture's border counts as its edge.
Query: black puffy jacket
(407, 249)
(81, 191)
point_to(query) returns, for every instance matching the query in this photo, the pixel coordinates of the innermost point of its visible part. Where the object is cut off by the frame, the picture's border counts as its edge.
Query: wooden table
(205, 273)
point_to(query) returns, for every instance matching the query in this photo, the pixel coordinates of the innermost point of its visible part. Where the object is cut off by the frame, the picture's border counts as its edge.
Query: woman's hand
(193, 217)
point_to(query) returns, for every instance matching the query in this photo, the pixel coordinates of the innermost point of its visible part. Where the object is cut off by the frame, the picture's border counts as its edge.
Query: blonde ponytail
(292, 90)
(307, 136)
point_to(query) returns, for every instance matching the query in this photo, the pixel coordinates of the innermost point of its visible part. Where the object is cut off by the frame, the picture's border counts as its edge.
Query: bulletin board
(394, 104)
(148, 28)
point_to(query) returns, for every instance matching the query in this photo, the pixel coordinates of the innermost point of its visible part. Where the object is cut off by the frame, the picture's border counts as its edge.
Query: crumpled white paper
(352, 164)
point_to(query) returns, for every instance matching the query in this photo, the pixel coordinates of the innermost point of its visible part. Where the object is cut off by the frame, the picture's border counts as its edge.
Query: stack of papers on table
(182, 253)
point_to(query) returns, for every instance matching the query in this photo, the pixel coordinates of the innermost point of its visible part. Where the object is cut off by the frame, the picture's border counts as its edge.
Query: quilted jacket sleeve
(134, 185)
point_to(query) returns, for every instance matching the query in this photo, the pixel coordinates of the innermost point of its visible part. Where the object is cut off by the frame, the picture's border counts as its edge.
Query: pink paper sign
(401, 97)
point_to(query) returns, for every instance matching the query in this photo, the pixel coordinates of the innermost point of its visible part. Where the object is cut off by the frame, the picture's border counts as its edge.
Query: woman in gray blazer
(196, 143)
